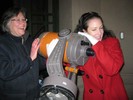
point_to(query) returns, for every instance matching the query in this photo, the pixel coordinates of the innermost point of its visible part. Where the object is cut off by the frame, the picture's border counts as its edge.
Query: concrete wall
(118, 16)
(65, 14)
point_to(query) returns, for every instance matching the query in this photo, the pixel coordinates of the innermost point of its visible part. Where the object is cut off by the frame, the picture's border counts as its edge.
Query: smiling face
(95, 28)
(17, 25)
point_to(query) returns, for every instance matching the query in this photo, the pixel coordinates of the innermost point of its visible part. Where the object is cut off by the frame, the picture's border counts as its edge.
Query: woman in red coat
(102, 80)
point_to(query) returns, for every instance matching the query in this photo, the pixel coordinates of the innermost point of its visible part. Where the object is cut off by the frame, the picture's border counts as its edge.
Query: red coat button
(102, 91)
(100, 76)
(87, 76)
(90, 90)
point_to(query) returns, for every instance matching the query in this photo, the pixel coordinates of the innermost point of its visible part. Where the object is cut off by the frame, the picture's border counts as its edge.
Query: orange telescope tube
(46, 38)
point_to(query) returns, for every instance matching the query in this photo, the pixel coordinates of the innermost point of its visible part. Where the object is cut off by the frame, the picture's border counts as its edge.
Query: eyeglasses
(19, 20)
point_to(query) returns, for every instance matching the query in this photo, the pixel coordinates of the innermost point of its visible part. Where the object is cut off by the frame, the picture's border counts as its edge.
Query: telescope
(72, 49)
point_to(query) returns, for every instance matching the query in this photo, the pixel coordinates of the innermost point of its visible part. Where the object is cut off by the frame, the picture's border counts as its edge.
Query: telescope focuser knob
(85, 43)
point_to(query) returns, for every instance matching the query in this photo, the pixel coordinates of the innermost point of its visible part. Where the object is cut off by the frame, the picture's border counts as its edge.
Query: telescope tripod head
(73, 49)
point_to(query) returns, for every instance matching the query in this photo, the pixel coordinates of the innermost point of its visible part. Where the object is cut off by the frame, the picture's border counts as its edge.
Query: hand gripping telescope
(71, 48)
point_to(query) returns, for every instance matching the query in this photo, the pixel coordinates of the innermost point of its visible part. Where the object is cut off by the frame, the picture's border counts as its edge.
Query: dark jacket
(18, 73)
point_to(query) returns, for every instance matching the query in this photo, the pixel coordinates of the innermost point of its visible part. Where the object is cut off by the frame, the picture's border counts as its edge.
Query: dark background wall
(5, 4)
(43, 15)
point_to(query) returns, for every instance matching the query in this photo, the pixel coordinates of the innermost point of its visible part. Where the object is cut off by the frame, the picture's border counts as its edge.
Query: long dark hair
(82, 24)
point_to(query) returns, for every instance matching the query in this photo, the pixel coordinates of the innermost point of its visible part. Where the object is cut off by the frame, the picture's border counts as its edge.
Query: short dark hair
(11, 12)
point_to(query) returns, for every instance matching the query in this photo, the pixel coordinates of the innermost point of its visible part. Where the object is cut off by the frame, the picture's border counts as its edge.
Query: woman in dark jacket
(19, 62)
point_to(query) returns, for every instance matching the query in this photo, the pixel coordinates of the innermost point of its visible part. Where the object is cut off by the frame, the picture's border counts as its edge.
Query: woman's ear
(84, 30)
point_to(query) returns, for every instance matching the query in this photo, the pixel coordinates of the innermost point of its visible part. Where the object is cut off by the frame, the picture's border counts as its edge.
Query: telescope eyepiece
(90, 52)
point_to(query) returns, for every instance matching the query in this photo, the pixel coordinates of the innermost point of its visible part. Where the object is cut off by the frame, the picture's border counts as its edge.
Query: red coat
(102, 80)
